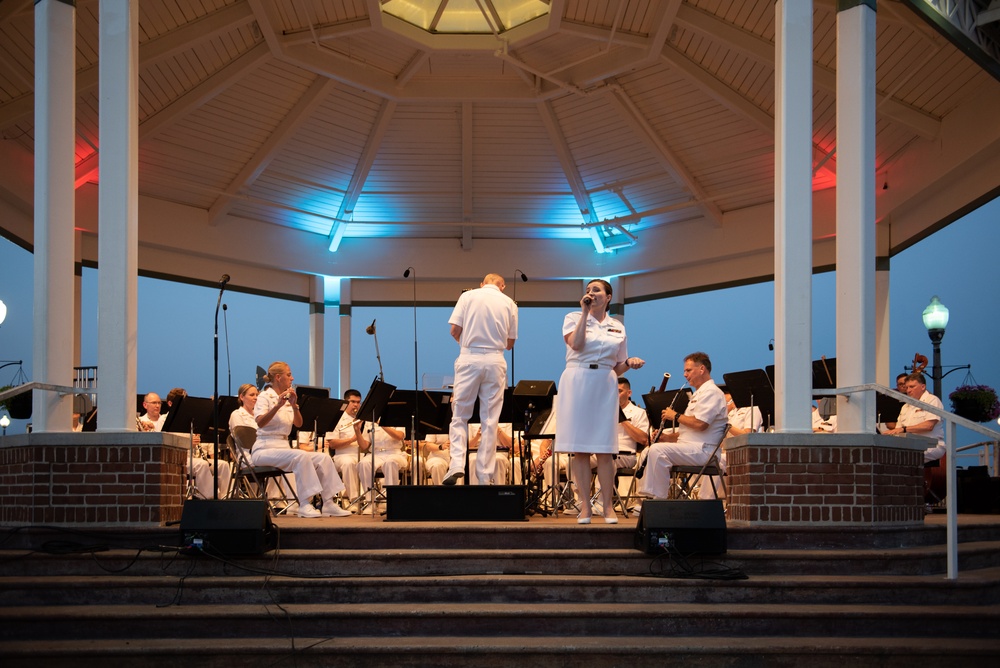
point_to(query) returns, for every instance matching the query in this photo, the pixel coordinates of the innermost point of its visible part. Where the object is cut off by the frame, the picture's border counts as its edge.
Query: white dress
(587, 402)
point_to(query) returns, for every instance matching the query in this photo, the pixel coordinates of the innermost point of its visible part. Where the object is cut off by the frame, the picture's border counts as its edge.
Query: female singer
(587, 403)
(275, 413)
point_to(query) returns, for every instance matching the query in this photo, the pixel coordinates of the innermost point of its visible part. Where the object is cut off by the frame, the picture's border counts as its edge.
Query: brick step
(490, 652)
(973, 588)
(497, 619)
(404, 562)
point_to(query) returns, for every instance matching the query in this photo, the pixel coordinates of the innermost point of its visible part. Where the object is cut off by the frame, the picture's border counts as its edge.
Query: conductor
(484, 323)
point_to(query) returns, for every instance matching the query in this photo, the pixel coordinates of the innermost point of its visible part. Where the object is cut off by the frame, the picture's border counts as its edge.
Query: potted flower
(18, 406)
(978, 403)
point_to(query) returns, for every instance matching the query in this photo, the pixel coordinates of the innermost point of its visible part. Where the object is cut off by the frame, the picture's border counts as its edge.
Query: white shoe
(331, 509)
(307, 510)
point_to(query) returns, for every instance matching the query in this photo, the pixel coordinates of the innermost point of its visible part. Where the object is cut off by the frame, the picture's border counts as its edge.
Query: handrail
(951, 421)
(35, 385)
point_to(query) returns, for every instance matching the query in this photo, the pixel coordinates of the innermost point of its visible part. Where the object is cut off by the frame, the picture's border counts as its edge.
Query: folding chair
(249, 481)
(684, 480)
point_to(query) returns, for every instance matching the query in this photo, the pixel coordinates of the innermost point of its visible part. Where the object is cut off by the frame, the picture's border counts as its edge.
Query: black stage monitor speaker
(228, 526)
(462, 503)
(685, 527)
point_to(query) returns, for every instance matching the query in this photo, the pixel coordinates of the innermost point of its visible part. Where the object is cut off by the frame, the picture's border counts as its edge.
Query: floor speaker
(468, 503)
(685, 527)
(228, 526)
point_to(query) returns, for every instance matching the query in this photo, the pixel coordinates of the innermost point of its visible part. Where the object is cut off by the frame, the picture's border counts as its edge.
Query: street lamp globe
(3, 311)
(935, 320)
(935, 315)
(4, 422)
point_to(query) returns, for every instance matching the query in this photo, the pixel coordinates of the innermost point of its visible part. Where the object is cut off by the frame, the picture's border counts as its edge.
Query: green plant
(978, 403)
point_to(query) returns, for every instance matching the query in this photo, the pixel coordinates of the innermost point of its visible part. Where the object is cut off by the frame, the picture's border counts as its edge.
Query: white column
(617, 297)
(883, 372)
(118, 217)
(317, 315)
(856, 211)
(55, 137)
(793, 215)
(345, 336)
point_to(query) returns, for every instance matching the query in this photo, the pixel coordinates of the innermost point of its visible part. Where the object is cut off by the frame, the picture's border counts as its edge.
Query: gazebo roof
(284, 139)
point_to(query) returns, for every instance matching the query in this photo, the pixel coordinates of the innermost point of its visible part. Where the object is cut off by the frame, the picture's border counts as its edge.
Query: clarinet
(663, 422)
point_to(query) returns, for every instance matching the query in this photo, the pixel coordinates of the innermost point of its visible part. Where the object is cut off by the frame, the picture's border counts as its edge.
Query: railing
(951, 422)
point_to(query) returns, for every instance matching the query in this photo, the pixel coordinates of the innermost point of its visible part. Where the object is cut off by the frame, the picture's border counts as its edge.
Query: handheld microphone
(587, 301)
(223, 280)
(370, 329)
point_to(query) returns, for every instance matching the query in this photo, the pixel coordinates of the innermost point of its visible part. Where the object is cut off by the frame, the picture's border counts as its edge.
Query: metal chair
(249, 481)
(684, 480)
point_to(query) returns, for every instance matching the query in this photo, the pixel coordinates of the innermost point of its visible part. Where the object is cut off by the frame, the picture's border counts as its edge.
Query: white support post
(793, 216)
(55, 139)
(856, 212)
(118, 216)
(317, 316)
(345, 336)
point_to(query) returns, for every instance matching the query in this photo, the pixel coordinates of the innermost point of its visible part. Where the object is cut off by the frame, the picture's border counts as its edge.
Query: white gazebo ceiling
(289, 138)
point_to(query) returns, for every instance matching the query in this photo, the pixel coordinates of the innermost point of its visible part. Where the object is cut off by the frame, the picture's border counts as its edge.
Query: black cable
(673, 564)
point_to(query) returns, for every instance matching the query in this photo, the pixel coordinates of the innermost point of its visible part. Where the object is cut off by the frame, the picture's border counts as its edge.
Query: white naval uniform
(201, 470)
(314, 471)
(346, 458)
(693, 448)
(389, 458)
(913, 415)
(587, 402)
(488, 319)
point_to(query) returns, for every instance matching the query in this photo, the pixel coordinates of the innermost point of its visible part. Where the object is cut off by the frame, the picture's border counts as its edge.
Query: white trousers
(347, 467)
(204, 477)
(484, 376)
(663, 457)
(388, 462)
(314, 471)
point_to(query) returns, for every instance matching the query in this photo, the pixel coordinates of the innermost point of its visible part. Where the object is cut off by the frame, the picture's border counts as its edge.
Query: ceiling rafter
(762, 51)
(151, 52)
(301, 111)
(346, 212)
(728, 97)
(569, 168)
(467, 168)
(183, 105)
(666, 157)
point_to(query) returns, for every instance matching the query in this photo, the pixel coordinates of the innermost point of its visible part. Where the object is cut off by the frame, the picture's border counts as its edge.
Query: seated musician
(389, 458)
(346, 442)
(435, 456)
(501, 473)
(699, 429)
(201, 471)
(915, 420)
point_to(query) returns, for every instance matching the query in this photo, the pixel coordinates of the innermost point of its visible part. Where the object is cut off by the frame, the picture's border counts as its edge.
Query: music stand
(190, 415)
(321, 413)
(887, 408)
(372, 408)
(225, 407)
(752, 388)
(657, 402)
(824, 375)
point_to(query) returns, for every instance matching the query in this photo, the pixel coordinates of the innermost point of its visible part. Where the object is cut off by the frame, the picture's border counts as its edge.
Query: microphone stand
(415, 418)
(229, 366)
(215, 414)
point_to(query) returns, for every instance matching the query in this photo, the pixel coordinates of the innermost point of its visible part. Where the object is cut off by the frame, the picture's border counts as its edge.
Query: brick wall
(58, 482)
(825, 479)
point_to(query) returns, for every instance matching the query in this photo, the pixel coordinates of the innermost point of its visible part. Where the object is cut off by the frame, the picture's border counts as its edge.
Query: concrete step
(979, 587)
(455, 561)
(496, 619)
(596, 651)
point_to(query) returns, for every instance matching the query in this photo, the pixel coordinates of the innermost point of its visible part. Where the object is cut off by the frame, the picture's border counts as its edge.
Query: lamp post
(935, 319)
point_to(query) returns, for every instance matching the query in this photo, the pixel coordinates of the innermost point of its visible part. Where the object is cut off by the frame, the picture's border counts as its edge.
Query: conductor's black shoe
(453, 478)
